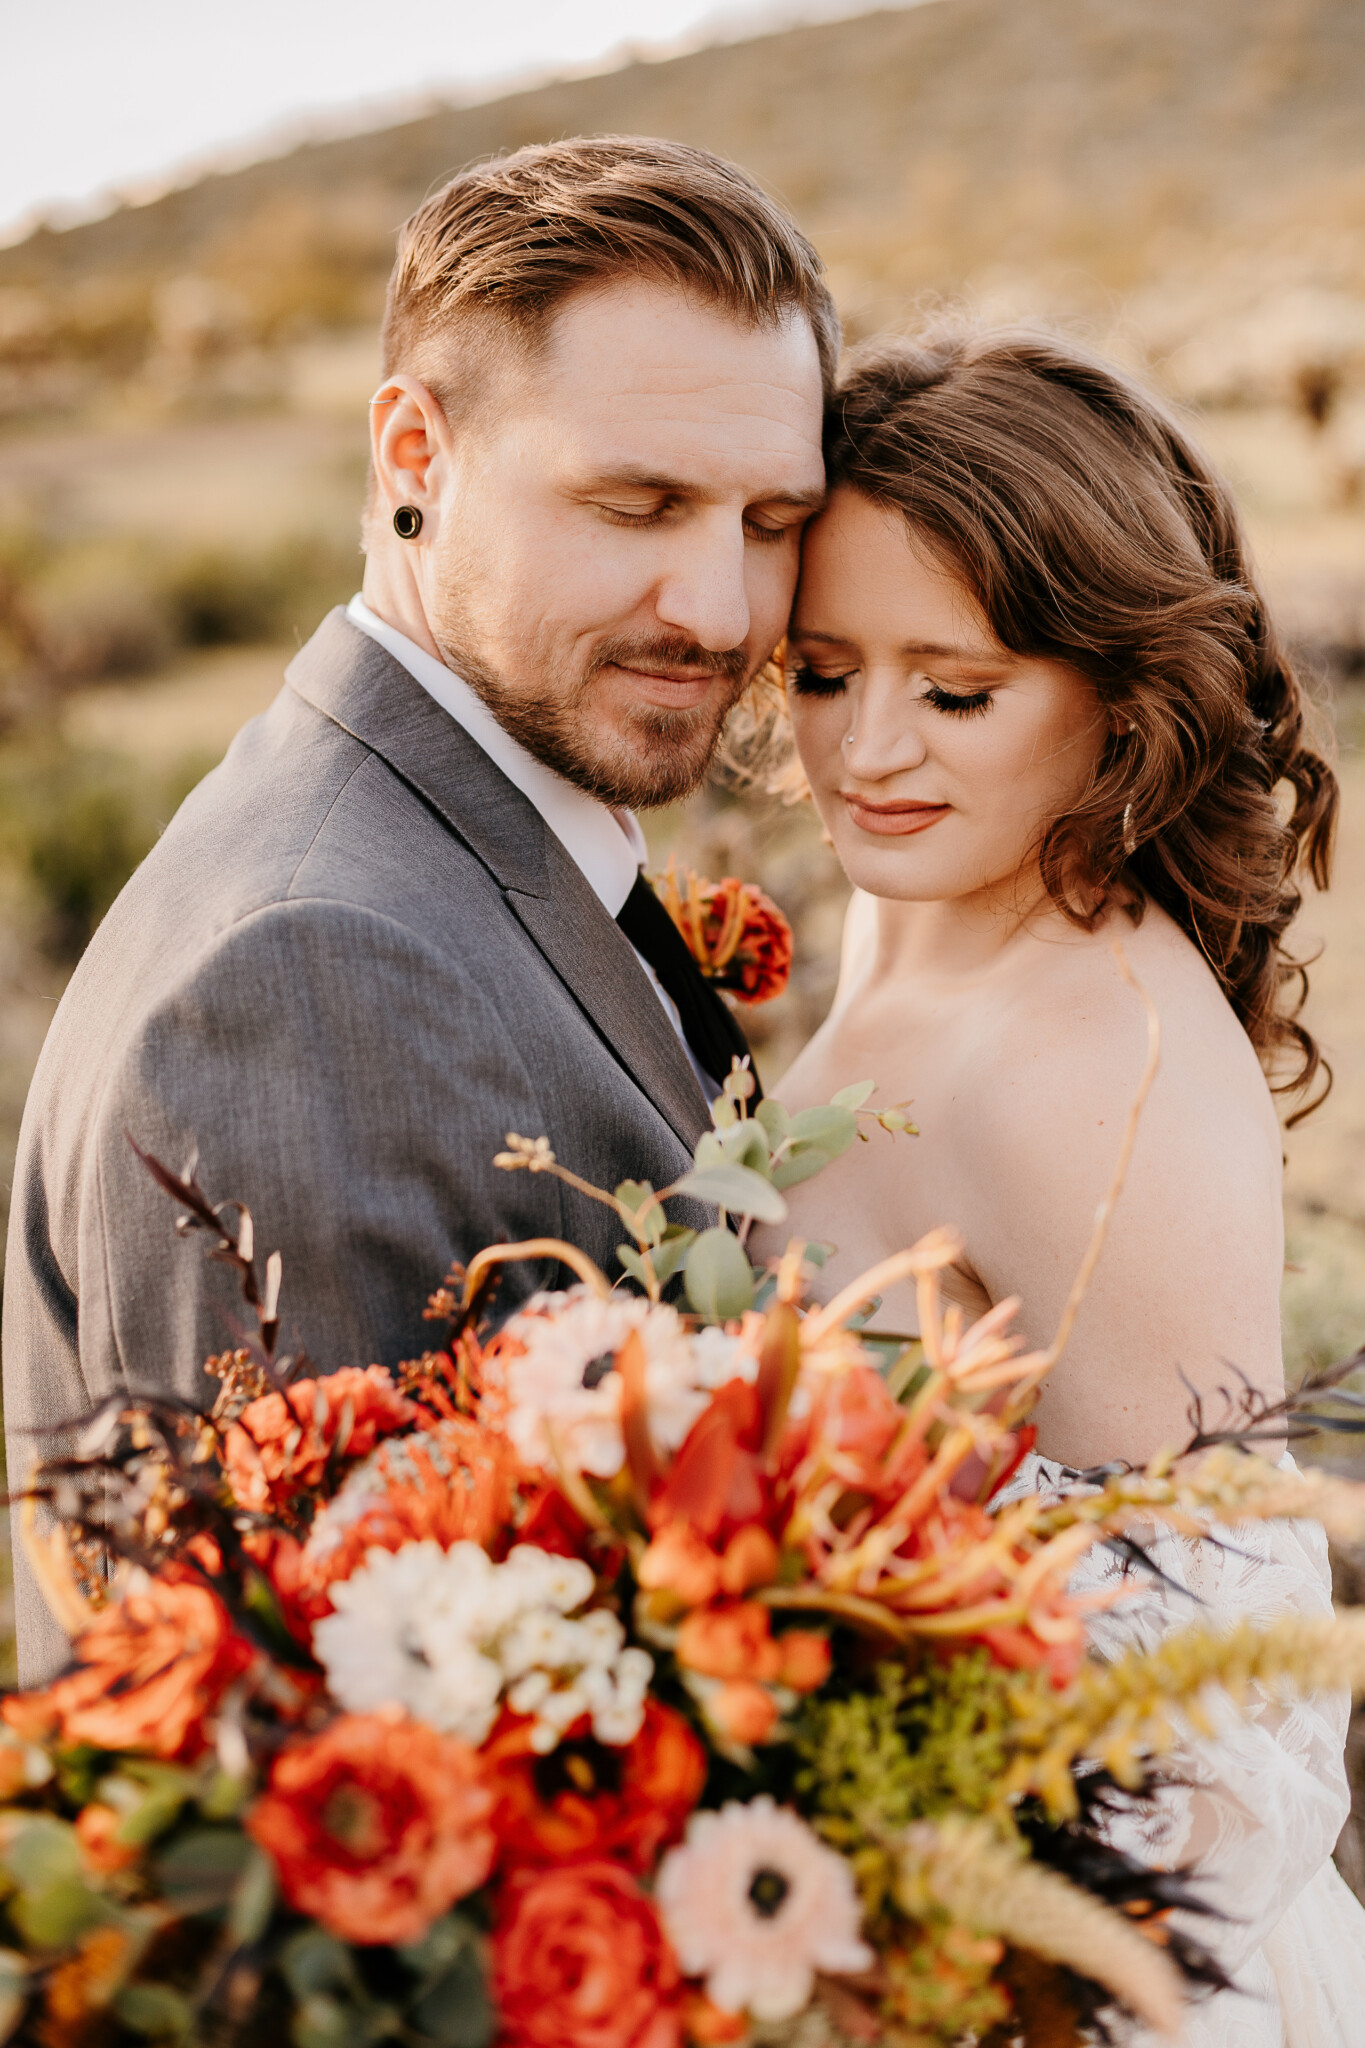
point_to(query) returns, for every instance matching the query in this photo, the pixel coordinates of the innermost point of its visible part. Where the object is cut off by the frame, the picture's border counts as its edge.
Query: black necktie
(709, 1025)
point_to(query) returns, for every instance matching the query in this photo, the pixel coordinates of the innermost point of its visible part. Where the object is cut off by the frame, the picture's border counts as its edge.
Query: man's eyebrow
(639, 479)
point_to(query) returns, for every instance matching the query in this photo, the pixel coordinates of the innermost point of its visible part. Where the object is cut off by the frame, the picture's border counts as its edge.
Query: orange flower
(97, 1829)
(805, 1659)
(709, 2026)
(732, 1641)
(281, 1444)
(742, 1711)
(586, 1799)
(679, 1562)
(447, 1483)
(149, 1672)
(376, 1826)
(737, 935)
(580, 1961)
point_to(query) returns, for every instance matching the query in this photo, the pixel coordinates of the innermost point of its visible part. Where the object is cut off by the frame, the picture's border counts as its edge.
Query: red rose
(580, 1961)
(376, 1826)
(282, 1444)
(149, 1671)
(590, 1799)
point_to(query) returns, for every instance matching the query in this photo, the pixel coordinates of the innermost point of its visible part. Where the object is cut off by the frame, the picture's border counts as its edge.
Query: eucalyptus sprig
(741, 1167)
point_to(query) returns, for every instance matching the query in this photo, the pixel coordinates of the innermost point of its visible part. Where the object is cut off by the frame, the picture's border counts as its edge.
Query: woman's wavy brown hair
(1091, 531)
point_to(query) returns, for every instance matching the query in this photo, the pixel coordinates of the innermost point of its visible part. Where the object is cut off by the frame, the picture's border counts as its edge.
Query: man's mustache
(661, 652)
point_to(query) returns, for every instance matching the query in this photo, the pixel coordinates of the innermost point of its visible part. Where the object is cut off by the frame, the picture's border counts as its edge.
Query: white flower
(449, 1634)
(563, 1384)
(753, 1901)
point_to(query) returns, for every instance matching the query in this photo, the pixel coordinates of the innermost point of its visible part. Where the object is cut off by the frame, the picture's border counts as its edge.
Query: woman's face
(936, 758)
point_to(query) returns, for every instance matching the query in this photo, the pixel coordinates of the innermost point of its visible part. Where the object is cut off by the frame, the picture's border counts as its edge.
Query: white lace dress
(1262, 1802)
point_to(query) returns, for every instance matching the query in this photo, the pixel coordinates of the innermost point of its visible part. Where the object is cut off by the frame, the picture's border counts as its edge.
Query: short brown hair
(1090, 530)
(514, 235)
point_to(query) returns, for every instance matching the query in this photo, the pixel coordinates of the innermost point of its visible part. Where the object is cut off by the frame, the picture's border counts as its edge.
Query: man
(383, 933)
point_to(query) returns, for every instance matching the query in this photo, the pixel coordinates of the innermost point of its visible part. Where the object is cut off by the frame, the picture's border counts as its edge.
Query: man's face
(617, 532)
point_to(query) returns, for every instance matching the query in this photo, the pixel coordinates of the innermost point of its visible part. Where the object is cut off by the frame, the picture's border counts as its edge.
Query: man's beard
(672, 750)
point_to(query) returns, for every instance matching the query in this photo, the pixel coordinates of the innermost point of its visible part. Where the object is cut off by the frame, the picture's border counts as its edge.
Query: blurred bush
(74, 824)
(116, 605)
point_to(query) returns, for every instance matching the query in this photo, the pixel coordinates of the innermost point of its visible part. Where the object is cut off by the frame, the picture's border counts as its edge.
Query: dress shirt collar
(608, 846)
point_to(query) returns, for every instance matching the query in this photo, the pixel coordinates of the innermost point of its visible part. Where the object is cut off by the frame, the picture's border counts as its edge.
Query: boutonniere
(738, 937)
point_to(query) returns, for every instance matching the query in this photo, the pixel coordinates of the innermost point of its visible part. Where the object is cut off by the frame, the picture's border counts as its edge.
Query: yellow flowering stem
(938, 1248)
(964, 1869)
(869, 1616)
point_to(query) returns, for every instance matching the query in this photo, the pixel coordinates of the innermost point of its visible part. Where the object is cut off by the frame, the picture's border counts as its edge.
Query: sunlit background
(197, 208)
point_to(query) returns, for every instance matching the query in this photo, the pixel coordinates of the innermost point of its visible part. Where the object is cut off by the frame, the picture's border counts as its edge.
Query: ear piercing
(407, 522)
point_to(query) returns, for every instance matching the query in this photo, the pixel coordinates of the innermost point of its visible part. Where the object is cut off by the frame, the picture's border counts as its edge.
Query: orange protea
(282, 1444)
(737, 935)
(590, 1799)
(449, 1483)
(376, 1827)
(149, 1672)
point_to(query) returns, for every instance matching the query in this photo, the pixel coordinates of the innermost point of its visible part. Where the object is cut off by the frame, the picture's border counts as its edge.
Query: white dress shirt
(607, 845)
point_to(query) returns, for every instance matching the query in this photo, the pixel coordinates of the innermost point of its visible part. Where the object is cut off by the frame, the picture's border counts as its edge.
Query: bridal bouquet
(660, 1667)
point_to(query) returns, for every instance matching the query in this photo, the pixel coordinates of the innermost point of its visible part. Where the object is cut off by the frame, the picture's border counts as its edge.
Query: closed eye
(808, 682)
(957, 703)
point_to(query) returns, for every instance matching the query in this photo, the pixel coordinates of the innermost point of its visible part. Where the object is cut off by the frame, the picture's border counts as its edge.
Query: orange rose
(281, 1444)
(376, 1826)
(150, 1671)
(733, 1641)
(580, 1961)
(589, 1799)
(751, 1559)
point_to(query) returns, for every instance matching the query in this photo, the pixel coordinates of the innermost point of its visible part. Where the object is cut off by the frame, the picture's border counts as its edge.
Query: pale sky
(101, 96)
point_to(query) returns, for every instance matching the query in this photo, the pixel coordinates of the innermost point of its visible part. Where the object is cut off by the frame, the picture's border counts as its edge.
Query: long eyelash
(955, 703)
(808, 682)
(766, 534)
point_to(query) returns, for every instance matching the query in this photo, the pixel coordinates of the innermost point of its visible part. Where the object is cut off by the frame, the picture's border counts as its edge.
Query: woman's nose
(883, 736)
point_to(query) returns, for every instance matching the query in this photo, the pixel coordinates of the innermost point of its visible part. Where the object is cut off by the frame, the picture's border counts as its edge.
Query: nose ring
(847, 740)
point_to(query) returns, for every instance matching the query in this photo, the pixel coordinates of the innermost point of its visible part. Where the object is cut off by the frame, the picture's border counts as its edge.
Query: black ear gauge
(407, 522)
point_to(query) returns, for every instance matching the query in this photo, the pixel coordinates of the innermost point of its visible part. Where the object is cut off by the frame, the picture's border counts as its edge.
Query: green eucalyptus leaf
(668, 1256)
(737, 1188)
(315, 1961)
(253, 1899)
(438, 1949)
(800, 1164)
(717, 1277)
(322, 2021)
(633, 1264)
(710, 1148)
(13, 1990)
(637, 1196)
(774, 1120)
(854, 1096)
(833, 1129)
(200, 1871)
(156, 2011)
(723, 1113)
(746, 1144)
(149, 1796)
(53, 1916)
(455, 2011)
(42, 1851)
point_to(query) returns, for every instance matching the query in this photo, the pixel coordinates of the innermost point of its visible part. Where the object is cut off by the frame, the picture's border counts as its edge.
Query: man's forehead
(643, 351)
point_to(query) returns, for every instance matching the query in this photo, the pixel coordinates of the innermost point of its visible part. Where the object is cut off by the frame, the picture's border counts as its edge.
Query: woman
(1041, 708)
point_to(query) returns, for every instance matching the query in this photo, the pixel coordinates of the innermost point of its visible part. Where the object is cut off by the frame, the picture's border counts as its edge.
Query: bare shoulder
(1188, 1284)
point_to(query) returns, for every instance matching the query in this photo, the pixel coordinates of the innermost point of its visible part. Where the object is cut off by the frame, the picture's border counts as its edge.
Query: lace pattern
(1260, 1802)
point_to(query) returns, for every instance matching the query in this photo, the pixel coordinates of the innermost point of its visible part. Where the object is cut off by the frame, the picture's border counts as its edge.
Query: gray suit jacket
(356, 960)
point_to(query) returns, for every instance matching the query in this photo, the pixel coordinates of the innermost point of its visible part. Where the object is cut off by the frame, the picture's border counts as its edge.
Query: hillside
(1100, 147)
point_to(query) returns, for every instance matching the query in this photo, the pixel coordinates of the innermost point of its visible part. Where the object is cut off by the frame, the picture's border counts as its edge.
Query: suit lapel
(356, 683)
